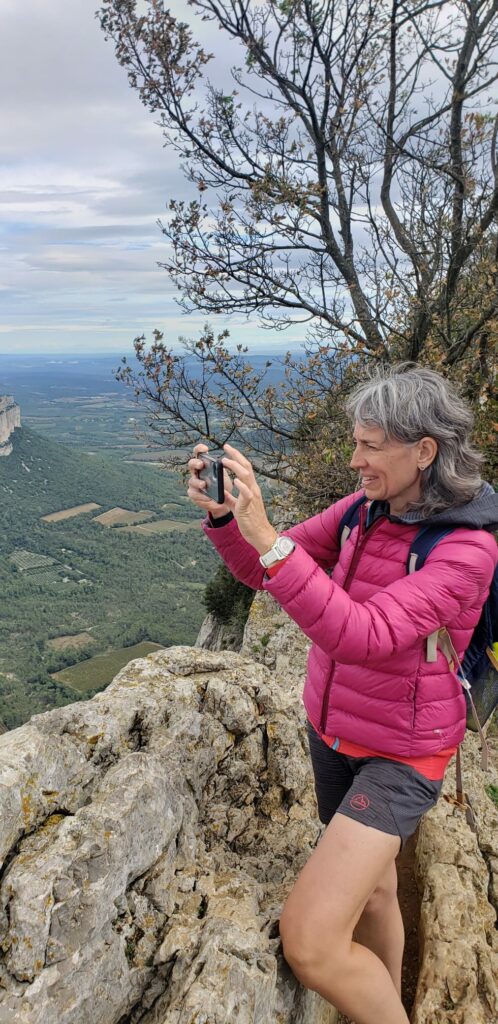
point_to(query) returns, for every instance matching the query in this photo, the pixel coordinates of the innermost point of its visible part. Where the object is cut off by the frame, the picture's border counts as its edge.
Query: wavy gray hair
(410, 402)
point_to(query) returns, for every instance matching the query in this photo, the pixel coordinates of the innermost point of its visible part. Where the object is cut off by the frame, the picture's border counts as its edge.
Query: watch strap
(279, 550)
(273, 569)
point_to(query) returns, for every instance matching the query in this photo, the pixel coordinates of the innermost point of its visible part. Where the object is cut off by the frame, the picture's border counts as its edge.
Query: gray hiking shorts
(386, 795)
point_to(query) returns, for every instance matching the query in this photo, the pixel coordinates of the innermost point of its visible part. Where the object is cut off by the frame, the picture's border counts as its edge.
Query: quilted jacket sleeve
(240, 557)
(455, 577)
(317, 537)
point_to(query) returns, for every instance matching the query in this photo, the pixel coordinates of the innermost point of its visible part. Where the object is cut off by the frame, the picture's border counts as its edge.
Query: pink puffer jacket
(368, 680)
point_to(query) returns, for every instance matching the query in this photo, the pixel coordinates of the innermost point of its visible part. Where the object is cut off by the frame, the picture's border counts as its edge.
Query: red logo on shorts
(360, 802)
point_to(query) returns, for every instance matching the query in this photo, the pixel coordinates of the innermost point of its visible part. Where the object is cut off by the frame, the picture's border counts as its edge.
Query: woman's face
(390, 470)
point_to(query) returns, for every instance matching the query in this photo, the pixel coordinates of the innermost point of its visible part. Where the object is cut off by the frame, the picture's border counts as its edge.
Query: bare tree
(347, 181)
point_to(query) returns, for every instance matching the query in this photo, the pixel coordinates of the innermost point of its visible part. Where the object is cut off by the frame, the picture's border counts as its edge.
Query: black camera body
(213, 474)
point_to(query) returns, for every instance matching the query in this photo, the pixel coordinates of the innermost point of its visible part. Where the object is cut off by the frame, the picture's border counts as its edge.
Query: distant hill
(41, 476)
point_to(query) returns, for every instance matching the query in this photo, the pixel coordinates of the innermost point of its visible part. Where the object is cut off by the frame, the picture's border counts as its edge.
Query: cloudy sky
(83, 179)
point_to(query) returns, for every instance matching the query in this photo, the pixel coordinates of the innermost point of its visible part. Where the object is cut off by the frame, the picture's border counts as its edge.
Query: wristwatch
(281, 548)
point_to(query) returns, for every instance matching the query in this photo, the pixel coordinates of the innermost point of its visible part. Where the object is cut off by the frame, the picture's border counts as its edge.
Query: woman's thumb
(230, 500)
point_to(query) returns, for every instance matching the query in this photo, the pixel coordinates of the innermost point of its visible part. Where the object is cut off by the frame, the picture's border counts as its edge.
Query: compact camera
(213, 474)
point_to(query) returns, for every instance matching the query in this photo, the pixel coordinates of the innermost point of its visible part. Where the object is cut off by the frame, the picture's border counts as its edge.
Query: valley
(100, 549)
(107, 552)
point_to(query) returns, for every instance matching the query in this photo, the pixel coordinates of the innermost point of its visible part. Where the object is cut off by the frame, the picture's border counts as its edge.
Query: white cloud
(84, 177)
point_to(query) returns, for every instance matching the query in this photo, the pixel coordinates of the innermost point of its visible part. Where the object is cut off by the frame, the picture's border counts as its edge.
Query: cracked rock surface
(458, 876)
(149, 838)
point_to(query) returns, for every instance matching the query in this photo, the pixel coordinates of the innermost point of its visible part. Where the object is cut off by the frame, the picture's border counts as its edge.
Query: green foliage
(492, 792)
(41, 477)
(228, 599)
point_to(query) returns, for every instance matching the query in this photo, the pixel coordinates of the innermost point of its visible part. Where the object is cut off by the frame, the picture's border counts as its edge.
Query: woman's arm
(317, 536)
(455, 577)
(239, 556)
(242, 539)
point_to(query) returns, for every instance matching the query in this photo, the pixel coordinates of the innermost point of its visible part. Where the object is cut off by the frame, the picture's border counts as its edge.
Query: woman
(383, 721)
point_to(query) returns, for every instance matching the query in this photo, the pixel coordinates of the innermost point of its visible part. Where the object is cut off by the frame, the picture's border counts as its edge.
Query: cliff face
(149, 838)
(10, 418)
(457, 872)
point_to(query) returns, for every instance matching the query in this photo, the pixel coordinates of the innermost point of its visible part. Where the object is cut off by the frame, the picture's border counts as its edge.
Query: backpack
(478, 672)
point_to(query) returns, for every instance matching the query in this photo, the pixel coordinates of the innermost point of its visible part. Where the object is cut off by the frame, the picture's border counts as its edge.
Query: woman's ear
(427, 452)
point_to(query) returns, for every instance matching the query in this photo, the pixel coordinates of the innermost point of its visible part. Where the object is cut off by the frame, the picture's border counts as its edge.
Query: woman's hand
(248, 507)
(196, 487)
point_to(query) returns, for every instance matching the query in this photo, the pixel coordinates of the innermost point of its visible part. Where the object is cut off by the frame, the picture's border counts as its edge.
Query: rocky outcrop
(149, 837)
(458, 876)
(217, 636)
(10, 418)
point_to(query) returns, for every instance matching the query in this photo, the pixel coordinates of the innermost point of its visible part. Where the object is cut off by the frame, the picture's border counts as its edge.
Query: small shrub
(492, 792)
(229, 601)
(226, 598)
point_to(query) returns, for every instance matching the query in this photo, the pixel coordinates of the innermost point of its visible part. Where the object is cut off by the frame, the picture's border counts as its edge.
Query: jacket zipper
(360, 543)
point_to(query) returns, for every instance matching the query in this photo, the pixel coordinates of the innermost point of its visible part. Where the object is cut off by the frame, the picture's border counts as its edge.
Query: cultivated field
(97, 672)
(27, 560)
(165, 526)
(44, 569)
(67, 513)
(43, 576)
(174, 506)
(122, 517)
(58, 643)
(134, 462)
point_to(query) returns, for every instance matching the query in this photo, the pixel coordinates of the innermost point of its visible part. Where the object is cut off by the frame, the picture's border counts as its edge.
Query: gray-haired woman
(383, 721)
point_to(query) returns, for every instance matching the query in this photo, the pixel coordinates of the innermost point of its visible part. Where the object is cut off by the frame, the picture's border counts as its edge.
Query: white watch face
(281, 548)
(285, 545)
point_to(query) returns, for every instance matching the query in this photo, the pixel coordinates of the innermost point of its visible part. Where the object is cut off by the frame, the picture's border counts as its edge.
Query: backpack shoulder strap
(424, 542)
(350, 519)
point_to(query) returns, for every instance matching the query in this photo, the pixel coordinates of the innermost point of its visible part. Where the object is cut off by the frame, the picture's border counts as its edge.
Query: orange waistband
(432, 766)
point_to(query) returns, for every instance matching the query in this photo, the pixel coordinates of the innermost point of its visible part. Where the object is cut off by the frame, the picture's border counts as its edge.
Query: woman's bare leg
(321, 913)
(381, 928)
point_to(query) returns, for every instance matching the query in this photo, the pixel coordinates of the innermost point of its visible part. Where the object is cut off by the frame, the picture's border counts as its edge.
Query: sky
(84, 177)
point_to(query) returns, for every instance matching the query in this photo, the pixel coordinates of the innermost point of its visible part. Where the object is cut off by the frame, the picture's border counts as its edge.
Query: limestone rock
(458, 980)
(149, 837)
(10, 418)
(217, 636)
(273, 639)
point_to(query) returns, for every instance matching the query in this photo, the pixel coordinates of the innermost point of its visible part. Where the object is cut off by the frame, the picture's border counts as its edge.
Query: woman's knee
(305, 947)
